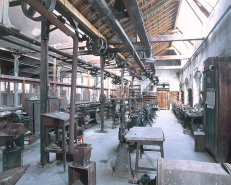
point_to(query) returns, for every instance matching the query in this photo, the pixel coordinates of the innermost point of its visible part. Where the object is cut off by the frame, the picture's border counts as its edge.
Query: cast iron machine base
(82, 170)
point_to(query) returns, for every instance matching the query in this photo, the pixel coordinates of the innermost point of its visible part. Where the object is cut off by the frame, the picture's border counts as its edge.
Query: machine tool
(12, 157)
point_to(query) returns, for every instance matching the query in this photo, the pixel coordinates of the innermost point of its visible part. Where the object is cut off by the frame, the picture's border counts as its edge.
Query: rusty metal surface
(11, 177)
(12, 131)
(78, 175)
(83, 154)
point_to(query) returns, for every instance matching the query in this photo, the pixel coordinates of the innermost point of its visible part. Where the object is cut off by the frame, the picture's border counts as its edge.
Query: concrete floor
(104, 152)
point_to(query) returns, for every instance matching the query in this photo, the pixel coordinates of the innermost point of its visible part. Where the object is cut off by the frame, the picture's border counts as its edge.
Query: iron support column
(122, 107)
(102, 62)
(16, 66)
(73, 96)
(58, 79)
(43, 85)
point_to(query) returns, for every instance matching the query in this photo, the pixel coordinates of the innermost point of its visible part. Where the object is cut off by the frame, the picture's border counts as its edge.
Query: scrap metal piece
(11, 177)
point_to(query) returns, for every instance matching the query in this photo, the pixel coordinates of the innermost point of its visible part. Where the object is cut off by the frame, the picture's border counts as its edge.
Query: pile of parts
(190, 117)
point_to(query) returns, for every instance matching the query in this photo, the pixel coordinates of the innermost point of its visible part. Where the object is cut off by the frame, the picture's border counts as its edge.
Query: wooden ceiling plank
(80, 18)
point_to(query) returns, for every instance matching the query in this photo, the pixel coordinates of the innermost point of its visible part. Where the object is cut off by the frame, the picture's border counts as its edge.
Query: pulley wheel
(97, 46)
(33, 14)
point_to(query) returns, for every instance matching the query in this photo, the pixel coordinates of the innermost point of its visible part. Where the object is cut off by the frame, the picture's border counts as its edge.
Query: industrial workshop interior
(115, 92)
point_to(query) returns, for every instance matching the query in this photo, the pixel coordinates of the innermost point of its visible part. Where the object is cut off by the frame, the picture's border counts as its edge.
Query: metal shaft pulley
(97, 46)
(33, 14)
(103, 98)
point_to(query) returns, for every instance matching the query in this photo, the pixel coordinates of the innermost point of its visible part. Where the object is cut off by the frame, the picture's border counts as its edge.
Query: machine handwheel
(33, 14)
(13, 118)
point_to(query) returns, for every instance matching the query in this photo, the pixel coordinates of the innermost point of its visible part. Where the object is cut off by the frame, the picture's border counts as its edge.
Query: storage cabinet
(32, 107)
(217, 107)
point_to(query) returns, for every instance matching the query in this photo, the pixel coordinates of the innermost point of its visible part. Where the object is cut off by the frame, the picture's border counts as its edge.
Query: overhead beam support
(105, 12)
(138, 23)
(113, 50)
(20, 39)
(170, 38)
(171, 57)
(82, 20)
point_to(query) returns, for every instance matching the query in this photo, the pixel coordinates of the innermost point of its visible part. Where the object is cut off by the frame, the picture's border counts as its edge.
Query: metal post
(43, 84)
(102, 62)
(0, 85)
(16, 66)
(88, 83)
(122, 107)
(23, 91)
(58, 79)
(73, 96)
(54, 76)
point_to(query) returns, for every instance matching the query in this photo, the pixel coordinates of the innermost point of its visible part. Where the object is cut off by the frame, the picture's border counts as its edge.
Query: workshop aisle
(177, 145)
(104, 153)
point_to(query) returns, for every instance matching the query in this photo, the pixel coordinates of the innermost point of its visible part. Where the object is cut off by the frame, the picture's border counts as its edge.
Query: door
(162, 99)
(210, 112)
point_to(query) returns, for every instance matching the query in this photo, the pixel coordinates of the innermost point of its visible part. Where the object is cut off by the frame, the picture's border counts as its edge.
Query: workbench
(144, 136)
(56, 120)
(191, 117)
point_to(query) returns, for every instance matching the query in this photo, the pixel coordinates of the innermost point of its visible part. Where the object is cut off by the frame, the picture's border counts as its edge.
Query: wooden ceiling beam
(168, 67)
(177, 16)
(82, 20)
(156, 51)
(79, 17)
(171, 38)
(171, 57)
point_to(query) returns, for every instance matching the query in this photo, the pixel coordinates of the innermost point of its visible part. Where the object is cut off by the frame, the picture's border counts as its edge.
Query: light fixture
(150, 59)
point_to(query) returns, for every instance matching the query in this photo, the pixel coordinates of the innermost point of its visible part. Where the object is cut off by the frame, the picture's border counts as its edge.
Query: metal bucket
(84, 153)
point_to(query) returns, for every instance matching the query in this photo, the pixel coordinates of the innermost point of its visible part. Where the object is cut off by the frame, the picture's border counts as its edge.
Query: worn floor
(104, 152)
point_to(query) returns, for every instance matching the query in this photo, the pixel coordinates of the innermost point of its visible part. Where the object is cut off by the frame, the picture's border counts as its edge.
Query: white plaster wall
(218, 43)
(167, 76)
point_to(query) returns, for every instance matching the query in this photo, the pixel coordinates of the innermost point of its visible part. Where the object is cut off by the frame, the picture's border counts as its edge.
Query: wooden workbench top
(144, 134)
(59, 115)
